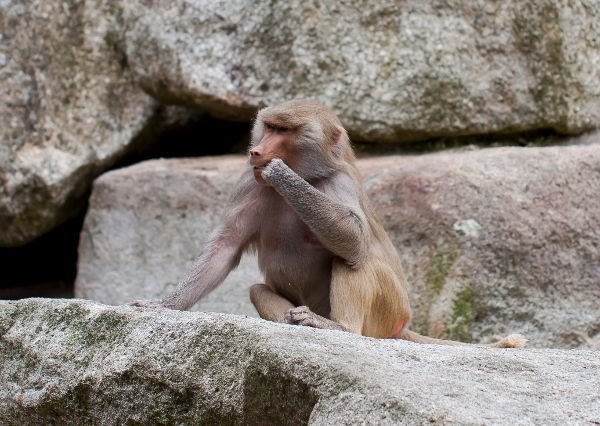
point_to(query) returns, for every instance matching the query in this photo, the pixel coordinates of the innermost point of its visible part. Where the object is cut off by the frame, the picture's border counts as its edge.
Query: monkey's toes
(513, 341)
(145, 304)
(300, 315)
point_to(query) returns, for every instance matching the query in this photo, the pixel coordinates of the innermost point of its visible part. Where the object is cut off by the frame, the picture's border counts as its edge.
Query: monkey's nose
(254, 153)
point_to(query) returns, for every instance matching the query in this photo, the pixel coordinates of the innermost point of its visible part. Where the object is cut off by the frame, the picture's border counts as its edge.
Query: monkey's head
(307, 136)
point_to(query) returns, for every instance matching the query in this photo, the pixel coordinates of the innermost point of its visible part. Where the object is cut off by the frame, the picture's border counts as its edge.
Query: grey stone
(78, 362)
(493, 241)
(393, 71)
(69, 109)
(74, 75)
(497, 241)
(147, 223)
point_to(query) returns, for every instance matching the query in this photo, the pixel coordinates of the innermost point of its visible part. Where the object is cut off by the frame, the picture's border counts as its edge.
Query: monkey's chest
(288, 249)
(295, 263)
(289, 238)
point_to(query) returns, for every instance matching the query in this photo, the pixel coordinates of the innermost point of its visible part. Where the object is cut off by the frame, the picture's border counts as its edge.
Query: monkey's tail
(512, 341)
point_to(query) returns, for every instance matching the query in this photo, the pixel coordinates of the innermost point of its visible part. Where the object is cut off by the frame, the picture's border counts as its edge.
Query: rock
(71, 361)
(393, 71)
(496, 241)
(493, 241)
(147, 223)
(74, 74)
(68, 106)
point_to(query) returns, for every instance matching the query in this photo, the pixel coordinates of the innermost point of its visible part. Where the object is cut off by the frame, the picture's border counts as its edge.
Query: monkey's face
(308, 138)
(277, 141)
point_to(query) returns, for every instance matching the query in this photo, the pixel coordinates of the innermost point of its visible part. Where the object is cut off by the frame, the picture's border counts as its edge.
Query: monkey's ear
(339, 133)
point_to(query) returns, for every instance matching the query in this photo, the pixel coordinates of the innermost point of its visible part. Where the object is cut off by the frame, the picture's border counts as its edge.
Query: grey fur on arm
(339, 227)
(221, 254)
(217, 259)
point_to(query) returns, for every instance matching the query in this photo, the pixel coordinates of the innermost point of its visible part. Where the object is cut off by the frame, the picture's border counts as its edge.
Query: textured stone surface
(74, 75)
(493, 241)
(68, 108)
(392, 70)
(145, 226)
(84, 363)
(497, 240)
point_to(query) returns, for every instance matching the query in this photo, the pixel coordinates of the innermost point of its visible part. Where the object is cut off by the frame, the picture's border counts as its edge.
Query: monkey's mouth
(257, 171)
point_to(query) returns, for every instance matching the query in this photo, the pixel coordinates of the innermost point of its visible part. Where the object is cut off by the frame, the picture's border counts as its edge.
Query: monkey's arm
(220, 255)
(339, 225)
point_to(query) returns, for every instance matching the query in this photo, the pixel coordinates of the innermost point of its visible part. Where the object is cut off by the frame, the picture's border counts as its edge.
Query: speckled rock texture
(393, 71)
(78, 362)
(493, 241)
(145, 226)
(77, 76)
(69, 109)
(496, 241)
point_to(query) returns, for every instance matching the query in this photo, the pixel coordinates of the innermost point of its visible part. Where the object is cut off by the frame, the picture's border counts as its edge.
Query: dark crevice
(43, 268)
(176, 132)
(533, 138)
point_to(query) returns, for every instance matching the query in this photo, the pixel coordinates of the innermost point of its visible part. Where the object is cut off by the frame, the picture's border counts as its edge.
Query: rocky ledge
(74, 361)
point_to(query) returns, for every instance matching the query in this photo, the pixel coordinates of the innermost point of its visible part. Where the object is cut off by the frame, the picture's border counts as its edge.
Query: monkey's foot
(302, 315)
(512, 341)
(146, 304)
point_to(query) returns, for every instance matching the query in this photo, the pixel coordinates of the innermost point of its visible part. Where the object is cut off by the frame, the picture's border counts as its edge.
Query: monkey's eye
(275, 128)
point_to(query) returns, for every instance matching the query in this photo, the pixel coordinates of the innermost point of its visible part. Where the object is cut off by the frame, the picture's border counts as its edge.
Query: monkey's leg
(369, 300)
(348, 300)
(270, 305)
(273, 307)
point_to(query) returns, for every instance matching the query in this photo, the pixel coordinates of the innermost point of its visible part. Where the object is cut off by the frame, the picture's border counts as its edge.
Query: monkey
(300, 204)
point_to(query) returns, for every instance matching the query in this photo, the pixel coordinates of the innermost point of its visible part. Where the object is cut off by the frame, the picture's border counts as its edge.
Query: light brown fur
(327, 260)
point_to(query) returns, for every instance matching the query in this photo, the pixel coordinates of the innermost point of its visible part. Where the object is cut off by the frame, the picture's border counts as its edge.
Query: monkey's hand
(276, 171)
(146, 304)
(338, 226)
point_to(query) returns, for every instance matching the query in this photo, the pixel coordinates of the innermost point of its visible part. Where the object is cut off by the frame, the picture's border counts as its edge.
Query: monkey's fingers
(146, 304)
(275, 168)
(300, 315)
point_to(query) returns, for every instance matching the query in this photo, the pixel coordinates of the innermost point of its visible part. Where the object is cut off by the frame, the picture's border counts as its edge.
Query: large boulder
(69, 109)
(393, 71)
(74, 75)
(76, 362)
(493, 241)
(145, 226)
(497, 240)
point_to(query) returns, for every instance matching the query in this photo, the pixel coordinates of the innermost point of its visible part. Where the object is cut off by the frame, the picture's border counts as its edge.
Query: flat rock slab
(74, 361)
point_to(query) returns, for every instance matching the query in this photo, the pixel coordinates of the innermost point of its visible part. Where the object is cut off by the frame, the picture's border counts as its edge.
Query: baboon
(326, 258)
